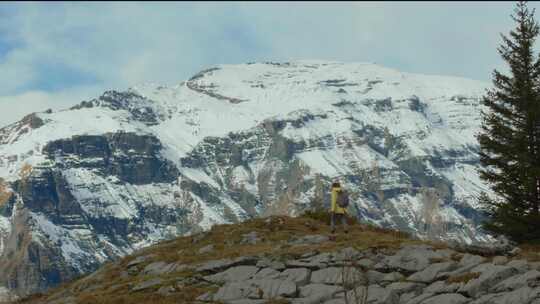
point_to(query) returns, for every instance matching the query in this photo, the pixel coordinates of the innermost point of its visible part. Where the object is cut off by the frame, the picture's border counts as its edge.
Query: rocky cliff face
(123, 171)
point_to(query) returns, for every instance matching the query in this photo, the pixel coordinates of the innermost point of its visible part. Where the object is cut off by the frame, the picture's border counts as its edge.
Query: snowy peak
(127, 169)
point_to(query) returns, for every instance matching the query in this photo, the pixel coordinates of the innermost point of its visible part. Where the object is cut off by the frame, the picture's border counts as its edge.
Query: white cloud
(60, 50)
(14, 107)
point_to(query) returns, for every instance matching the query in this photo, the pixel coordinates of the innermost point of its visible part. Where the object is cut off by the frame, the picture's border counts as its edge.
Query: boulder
(499, 260)
(267, 273)
(376, 294)
(233, 274)
(310, 240)
(274, 288)
(392, 277)
(447, 298)
(318, 293)
(265, 262)
(159, 268)
(337, 275)
(529, 279)
(412, 258)
(490, 276)
(405, 287)
(520, 265)
(300, 276)
(219, 265)
(525, 295)
(443, 287)
(429, 274)
(139, 260)
(236, 291)
(147, 284)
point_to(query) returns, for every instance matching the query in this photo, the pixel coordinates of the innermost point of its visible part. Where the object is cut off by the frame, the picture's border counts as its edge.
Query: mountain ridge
(127, 169)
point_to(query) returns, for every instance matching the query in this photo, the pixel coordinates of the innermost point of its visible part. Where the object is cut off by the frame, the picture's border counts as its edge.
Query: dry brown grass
(25, 171)
(5, 193)
(530, 252)
(274, 232)
(463, 278)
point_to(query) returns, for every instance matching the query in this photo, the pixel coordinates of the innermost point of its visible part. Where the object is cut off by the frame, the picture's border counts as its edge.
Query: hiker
(338, 209)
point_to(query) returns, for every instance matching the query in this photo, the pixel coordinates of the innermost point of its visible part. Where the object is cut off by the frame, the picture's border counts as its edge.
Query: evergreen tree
(510, 137)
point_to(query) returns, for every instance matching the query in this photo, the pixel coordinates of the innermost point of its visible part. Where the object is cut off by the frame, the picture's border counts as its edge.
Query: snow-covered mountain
(125, 170)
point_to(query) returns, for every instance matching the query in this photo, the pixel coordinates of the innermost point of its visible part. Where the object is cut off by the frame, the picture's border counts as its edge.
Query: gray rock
(133, 270)
(500, 260)
(520, 265)
(405, 287)
(147, 284)
(273, 288)
(304, 264)
(514, 251)
(219, 265)
(374, 277)
(322, 258)
(471, 259)
(300, 276)
(310, 240)
(206, 249)
(376, 294)
(490, 276)
(419, 299)
(236, 291)
(406, 297)
(159, 268)
(412, 258)
(265, 262)
(247, 301)
(524, 295)
(529, 279)
(466, 264)
(392, 277)
(443, 287)
(309, 254)
(318, 293)
(365, 263)
(447, 298)
(233, 274)
(337, 275)
(429, 274)
(266, 273)
(140, 259)
(347, 254)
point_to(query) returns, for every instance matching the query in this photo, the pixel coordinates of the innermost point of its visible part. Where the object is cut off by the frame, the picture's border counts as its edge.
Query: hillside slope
(296, 260)
(120, 172)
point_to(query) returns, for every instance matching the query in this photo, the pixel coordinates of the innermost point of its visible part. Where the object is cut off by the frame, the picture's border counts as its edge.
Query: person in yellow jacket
(337, 213)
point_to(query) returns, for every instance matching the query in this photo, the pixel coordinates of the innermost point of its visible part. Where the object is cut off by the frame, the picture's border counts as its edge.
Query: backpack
(342, 198)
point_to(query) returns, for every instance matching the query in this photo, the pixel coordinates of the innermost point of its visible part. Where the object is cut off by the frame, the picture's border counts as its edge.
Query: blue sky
(53, 55)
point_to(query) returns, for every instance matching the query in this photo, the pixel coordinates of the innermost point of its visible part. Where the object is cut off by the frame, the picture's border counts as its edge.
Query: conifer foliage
(510, 135)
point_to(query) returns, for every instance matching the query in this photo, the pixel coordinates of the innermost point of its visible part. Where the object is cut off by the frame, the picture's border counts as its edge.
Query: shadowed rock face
(34, 260)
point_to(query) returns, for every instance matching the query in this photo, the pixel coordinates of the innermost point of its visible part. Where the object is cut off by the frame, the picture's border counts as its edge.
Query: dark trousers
(338, 217)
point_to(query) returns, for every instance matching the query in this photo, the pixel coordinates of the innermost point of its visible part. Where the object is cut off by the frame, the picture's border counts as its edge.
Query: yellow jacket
(334, 206)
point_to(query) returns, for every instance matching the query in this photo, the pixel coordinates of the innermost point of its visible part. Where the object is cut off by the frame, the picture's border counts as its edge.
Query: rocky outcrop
(339, 277)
